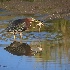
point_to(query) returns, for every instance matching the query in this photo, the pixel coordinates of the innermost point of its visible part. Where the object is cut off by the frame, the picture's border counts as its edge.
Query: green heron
(19, 25)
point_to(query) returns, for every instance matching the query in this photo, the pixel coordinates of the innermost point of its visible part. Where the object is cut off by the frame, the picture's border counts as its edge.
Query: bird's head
(30, 20)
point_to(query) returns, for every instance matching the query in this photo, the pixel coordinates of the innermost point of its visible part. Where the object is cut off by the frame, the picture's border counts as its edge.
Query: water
(55, 42)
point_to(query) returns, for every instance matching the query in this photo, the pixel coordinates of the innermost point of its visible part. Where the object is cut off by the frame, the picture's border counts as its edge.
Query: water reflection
(19, 49)
(55, 54)
(55, 44)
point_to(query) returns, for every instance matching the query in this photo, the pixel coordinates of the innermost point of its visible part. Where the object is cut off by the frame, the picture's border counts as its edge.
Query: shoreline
(55, 9)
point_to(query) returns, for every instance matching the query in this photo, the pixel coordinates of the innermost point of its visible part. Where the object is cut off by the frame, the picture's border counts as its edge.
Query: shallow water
(55, 42)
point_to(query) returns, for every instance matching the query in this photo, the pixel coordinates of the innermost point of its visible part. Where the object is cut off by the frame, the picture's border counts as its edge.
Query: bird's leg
(14, 36)
(39, 28)
(21, 35)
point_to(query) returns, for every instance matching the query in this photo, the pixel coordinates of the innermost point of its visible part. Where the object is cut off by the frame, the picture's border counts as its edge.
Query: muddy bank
(54, 9)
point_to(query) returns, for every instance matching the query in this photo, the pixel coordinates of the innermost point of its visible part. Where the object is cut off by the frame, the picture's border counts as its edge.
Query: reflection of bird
(40, 49)
(37, 49)
(19, 25)
(19, 49)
